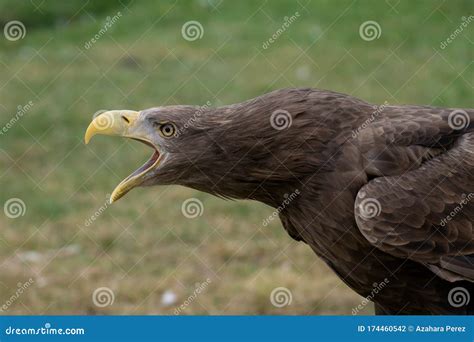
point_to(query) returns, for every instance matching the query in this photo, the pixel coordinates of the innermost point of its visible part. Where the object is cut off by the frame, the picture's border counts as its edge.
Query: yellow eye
(167, 130)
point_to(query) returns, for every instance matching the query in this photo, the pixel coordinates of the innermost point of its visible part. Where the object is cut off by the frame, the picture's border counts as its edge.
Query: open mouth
(139, 175)
(149, 164)
(125, 123)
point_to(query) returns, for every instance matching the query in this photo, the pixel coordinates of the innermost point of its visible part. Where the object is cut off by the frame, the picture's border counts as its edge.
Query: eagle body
(411, 169)
(385, 194)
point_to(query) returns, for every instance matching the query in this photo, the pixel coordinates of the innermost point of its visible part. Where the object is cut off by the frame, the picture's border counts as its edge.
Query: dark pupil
(168, 129)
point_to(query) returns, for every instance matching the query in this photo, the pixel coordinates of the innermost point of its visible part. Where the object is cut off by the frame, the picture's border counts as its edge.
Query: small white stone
(168, 298)
(30, 256)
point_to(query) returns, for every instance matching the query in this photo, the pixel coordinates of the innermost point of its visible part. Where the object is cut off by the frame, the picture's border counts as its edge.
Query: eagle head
(259, 151)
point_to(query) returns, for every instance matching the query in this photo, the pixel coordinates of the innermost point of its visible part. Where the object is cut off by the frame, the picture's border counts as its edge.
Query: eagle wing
(420, 203)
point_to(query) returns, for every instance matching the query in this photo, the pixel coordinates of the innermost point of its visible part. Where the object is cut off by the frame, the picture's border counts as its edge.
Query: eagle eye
(167, 130)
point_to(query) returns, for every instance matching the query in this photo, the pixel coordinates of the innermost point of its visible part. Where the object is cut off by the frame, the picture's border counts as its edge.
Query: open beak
(124, 123)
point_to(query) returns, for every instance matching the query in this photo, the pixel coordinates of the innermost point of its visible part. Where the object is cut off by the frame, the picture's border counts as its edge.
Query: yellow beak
(123, 123)
(114, 122)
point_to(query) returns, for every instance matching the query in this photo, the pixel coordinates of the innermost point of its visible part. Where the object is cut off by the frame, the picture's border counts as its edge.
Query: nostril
(126, 119)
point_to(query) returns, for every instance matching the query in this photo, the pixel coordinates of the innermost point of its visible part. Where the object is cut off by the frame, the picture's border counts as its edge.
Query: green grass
(143, 246)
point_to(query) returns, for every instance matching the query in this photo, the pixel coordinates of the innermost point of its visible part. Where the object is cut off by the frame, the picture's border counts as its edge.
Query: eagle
(383, 194)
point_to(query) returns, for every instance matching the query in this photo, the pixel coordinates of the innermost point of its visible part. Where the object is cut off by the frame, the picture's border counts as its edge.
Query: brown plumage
(386, 193)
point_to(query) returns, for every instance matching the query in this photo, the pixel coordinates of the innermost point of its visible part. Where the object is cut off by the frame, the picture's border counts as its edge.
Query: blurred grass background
(142, 247)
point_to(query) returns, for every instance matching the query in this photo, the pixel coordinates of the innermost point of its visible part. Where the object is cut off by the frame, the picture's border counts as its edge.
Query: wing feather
(423, 192)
